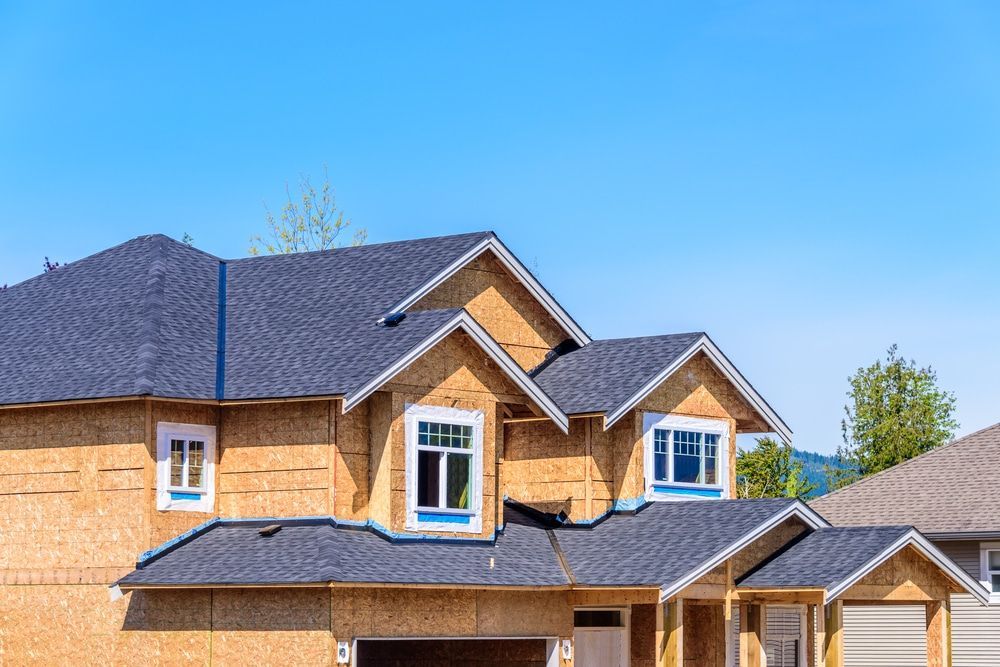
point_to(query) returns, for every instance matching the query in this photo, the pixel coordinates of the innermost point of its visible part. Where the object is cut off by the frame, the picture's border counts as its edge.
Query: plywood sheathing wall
(455, 373)
(907, 575)
(72, 497)
(502, 306)
(574, 472)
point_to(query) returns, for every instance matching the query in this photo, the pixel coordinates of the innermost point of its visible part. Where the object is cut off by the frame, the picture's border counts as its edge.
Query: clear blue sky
(808, 182)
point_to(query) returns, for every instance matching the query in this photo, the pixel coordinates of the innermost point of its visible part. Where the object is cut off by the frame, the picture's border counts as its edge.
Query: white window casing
(184, 496)
(990, 570)
(668, 489)
(443, 519)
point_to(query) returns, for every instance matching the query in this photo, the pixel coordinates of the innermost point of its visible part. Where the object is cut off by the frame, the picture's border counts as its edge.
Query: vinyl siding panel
(885, 636)
(975, 630)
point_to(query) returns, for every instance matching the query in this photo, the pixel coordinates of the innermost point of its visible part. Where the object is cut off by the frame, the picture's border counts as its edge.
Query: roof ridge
(152, 308)
(652, 337)
(366, 246)
(902, 464)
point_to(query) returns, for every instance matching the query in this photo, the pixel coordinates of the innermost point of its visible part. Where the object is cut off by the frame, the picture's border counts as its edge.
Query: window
(443, 468)
(444, 465)
(685, 456)
(185, 470)
(990, 565)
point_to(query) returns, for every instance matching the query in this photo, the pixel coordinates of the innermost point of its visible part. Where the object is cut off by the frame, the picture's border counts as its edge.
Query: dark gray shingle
(824, 558)
(604, 374)
(662, 543)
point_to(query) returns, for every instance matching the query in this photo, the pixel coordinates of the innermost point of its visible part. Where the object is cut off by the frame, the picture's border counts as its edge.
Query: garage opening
(885, 636)
(451, 652)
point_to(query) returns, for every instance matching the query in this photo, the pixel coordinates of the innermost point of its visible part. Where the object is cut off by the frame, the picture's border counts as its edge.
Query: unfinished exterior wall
(275, 459)
(502, 306)
(73, 501)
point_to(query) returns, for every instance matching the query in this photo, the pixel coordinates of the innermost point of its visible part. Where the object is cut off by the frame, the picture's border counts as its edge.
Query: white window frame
(653, 421)
(165, 493)
(984, 568)
(444, 519)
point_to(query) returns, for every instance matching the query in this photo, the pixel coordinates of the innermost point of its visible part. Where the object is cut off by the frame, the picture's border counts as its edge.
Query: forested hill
(812, 468)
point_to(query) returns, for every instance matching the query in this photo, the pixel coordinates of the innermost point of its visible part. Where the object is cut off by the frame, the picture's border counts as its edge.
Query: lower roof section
(833, 559)
(663, 545)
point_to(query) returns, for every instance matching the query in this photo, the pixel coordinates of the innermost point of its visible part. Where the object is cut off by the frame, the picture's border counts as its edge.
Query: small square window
(185, 458)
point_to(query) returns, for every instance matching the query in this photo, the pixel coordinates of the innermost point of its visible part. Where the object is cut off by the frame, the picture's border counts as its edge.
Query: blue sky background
(808, 182)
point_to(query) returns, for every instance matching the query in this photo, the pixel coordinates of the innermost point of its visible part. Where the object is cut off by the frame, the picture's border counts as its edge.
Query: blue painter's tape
(685, 491)
(432, 517)
(174, 495)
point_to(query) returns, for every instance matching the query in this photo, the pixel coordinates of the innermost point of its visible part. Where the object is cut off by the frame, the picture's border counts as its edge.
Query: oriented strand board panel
(389, 612)
(705, 635)
(502, 306)
(71, 490)
(353, 442)
(546, 468)
(642, 635)
(271, 627)
(275, 459)
(77, 625)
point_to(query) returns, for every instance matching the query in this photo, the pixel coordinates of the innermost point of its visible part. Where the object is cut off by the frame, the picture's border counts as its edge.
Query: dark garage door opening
(450, 652)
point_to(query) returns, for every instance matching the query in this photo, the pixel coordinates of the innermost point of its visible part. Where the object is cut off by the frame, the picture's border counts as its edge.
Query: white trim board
(797, 509)
(913, 538)
(517, 269)
(705, 344)
(462, 320)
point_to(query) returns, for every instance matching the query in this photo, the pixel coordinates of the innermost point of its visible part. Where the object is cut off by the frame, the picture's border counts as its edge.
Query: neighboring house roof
(834, 559)
(947, 491)
(322, 551)
(612, 376)
(665, 545)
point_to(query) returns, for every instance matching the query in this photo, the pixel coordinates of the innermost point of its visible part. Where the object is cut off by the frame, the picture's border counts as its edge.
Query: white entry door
(600, 638)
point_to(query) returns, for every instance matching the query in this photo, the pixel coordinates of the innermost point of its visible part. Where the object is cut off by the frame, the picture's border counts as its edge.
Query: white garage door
(885, 636)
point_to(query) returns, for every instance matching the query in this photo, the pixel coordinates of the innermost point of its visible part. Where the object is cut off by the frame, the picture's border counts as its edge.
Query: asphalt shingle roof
(604, 374)
(655, 547)
(662, 543)
(142, 319)
(235, 554)
(951, 489)
(824, 558)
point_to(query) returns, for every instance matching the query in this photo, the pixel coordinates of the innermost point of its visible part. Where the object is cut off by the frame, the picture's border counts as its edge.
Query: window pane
(661, 442)
(196, 462)
(459, 481)
(687, 457)
(994, 560)
(995, 581)
(428, 478)
(711, 458)
(176, 462)
(597, 618)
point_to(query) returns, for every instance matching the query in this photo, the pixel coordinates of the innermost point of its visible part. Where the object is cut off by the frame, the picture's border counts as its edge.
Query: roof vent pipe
(391, 320)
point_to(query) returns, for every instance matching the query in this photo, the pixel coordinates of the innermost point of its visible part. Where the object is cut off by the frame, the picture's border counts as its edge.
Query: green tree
(769, 470)
(311, 222)
(896, 412)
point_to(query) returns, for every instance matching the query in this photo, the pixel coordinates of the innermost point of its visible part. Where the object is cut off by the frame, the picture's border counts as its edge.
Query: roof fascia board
(512, 264)
(464, 321)
(798, 509)
(705, 344)
(914, 539)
